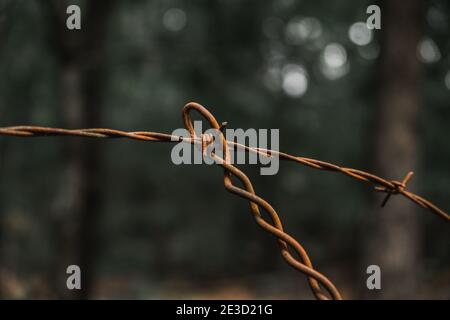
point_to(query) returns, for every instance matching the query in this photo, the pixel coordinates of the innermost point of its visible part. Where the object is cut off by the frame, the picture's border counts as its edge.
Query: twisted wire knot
(396, 187)
(320, 285)
(207, 139)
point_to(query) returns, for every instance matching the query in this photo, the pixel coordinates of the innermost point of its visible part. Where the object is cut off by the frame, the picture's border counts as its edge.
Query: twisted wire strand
(316, 280)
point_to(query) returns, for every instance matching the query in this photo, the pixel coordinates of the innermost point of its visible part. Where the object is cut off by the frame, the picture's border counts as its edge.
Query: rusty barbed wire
(316, 280)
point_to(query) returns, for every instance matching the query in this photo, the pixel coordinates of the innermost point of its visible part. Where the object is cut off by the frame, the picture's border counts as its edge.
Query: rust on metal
(291, 250)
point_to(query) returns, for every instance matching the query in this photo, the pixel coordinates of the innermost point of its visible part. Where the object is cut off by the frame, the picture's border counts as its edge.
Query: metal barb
(398, 188)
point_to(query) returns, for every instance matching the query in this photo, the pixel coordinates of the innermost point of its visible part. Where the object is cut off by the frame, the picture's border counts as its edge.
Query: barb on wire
(321, 286)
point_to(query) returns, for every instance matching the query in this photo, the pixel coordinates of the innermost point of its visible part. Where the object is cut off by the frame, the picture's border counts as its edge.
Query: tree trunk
(77, 206)
(395, 244)
(2, 221)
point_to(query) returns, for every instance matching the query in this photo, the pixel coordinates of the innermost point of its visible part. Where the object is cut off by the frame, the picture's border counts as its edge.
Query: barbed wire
(316, 280)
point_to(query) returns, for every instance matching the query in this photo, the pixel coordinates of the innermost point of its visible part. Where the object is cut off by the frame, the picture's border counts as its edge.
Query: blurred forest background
(141, 227)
